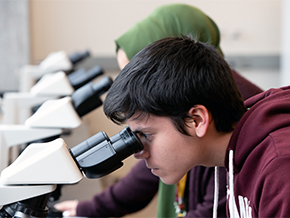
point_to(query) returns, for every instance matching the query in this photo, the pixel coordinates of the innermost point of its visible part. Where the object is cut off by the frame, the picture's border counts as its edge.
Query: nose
(144, 154)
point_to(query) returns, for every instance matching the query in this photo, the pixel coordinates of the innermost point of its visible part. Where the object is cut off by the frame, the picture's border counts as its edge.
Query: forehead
(141, 122)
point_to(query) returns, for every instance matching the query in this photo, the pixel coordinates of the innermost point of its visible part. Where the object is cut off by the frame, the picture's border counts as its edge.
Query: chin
(168, 181)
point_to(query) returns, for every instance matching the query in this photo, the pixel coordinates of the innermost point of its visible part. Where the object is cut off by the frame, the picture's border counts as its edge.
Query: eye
(142, 135)
(147, 136)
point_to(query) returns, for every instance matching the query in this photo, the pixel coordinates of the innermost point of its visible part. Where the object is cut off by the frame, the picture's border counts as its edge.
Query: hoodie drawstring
(216, 191)
(231, 184)
(232, 203)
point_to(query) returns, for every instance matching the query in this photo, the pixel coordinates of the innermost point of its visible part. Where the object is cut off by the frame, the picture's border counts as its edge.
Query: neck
(216, 144)
(220, 148)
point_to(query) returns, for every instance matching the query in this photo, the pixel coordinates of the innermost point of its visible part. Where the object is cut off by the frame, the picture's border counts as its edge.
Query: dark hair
(169, 77)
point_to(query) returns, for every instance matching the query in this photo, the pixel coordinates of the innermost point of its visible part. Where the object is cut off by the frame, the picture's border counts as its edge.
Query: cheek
(167, 151)
(177, 153)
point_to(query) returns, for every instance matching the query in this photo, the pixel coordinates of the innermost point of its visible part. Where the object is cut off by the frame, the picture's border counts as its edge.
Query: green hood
(167, 21)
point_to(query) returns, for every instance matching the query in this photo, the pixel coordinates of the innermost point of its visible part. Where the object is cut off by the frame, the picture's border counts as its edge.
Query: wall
(285, 45)
(247, 26)
(34, 28)
(250, 30)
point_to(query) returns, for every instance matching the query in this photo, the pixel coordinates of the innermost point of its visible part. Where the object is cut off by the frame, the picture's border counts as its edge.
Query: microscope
(61, 84)
(25, 185)
(53, 117)
(54, 62)
(18, 106)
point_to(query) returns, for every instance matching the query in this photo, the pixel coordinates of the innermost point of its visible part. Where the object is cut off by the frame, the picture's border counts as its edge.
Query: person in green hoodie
(193, 195)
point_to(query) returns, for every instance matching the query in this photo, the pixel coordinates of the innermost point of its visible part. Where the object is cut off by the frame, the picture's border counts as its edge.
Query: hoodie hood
(266, 114)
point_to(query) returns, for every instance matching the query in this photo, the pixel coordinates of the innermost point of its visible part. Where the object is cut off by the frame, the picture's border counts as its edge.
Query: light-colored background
(254, 39)
(31, 29)
(247, 27)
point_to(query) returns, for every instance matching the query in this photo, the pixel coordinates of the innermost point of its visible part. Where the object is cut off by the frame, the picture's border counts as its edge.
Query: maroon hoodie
(260, 145)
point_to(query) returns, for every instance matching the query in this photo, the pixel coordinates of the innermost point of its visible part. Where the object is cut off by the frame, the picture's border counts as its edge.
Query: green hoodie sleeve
(166, 198)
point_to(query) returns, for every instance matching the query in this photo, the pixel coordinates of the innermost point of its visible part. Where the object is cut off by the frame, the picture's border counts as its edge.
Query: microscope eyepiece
(101, 155)
(126, 143)
(79, 56)
(87, 98)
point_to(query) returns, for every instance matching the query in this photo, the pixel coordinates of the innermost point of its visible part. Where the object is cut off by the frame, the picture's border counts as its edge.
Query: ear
(201, 118)
(122, 58)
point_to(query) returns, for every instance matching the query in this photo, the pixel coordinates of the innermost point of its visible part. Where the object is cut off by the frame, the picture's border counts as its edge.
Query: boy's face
(167, 152)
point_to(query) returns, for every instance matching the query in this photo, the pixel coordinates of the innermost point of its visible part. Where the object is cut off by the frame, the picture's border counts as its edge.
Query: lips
(149, 166)
(152, 168)
(154, 171)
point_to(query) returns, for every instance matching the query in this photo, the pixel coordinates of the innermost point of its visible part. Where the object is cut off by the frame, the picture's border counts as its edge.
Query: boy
(180, 97)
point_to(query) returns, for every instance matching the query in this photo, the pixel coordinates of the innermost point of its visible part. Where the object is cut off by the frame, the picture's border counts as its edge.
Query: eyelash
(146, 136)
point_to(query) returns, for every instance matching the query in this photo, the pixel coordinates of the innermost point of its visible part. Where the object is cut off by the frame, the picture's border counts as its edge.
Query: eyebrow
(137, 131)
(141, 129)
